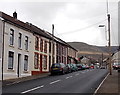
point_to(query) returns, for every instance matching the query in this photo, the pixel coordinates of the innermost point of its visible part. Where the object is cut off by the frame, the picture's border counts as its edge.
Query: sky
(74, 20)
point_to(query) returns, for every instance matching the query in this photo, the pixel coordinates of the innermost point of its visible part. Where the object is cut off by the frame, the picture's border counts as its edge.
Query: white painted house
(18, 46)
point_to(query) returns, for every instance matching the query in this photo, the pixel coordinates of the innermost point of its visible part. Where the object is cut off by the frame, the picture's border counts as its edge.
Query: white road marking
(55, 81)
(100, 84)
(82, 72)
(68, 77)
(32, 89)
(77, 74)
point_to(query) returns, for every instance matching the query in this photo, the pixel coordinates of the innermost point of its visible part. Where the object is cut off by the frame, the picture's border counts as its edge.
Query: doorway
(19, 65)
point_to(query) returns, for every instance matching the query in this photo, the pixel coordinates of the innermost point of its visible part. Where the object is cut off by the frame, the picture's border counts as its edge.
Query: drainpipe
(3, 48)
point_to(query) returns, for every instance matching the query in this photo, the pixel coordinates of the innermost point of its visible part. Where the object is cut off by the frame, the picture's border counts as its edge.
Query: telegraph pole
(109, 45)
(52, 43)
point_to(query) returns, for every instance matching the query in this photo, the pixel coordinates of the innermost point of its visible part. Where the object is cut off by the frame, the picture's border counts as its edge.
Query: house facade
(18, 46)
(41, 55)
(72, 55)
(116, 57)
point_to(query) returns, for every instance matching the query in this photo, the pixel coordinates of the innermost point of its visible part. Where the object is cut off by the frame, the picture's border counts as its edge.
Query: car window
(62, 65)
(56, 65)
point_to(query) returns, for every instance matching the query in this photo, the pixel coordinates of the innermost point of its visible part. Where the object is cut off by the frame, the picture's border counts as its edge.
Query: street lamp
(105, 30)
(110, 67)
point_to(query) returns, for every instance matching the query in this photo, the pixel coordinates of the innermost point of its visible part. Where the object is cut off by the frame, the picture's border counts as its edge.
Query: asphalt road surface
(84, 81)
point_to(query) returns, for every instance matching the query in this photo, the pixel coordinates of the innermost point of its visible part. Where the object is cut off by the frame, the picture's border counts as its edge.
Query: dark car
(59, 68)
(83, 66)
(74, 67)
(116, 66)
(79, 66)
(69, 68)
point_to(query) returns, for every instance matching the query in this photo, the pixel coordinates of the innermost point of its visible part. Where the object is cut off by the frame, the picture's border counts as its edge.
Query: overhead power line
(82, 28)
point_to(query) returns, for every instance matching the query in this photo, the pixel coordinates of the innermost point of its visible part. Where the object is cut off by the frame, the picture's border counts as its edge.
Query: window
(57, 49)
(25, 63)
(36, 60)
(10, 60)
(26, 43)
(44, 62)
(11, 36)
(53, 49)
(36, 43)
(49, 60)
(41, 45)
(19, 40)
(49, 47)
(45, 47)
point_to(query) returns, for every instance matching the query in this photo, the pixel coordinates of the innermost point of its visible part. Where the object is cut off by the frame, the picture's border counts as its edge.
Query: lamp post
(109, 45)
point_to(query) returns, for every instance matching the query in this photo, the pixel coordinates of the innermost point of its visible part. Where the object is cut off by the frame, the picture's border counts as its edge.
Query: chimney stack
(15, 15)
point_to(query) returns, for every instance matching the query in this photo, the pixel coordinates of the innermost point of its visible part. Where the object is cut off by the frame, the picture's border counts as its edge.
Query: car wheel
(63, 72)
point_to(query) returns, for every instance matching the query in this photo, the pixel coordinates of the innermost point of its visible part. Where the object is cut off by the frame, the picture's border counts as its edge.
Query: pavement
(22, 79)
(111, 85)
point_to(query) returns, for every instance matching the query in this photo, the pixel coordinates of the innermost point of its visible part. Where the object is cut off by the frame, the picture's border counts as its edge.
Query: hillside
(86, 47)
(90, 50)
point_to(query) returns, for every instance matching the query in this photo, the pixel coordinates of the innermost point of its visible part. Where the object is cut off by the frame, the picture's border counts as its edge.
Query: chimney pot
(15, 15)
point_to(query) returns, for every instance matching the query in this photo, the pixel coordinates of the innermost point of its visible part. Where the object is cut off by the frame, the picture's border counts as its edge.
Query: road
(85, 81)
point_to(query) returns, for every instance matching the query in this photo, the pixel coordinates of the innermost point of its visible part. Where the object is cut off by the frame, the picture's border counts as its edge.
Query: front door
(19, 65)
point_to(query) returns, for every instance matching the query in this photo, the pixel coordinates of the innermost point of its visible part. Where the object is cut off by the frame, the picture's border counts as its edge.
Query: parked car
(59, 68)
(74, 67)
(79, 66)
(116, 66)
(69, 66)
(87, 67)
(92, 66)
(102, 67)
(83, 66)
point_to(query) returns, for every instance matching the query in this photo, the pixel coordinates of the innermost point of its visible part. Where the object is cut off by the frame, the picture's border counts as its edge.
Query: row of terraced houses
(27, 50)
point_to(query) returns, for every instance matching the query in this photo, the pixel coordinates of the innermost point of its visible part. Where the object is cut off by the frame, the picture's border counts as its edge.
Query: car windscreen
(56, 65)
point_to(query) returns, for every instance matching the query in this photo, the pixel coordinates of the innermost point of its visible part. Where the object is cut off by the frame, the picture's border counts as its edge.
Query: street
(84, 81)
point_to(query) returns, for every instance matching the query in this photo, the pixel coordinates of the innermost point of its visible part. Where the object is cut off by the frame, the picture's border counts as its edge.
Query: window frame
(36, 60)
(11, 39)
(36, 43)
(12, 56)
(20, 40)
(26, 42)
(25, 62)
(45, 46)
(41, 45)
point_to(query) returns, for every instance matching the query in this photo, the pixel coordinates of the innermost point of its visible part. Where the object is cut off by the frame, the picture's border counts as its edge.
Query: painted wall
(8, 73)
(41, 68)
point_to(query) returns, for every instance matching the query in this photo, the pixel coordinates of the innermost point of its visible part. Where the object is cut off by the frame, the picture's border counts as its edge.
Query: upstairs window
(19, 40)
(49, 47)
(45, 47)
(41, 45)
(36, 43)
(53, 48)
(26, 42)
(11, 36)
